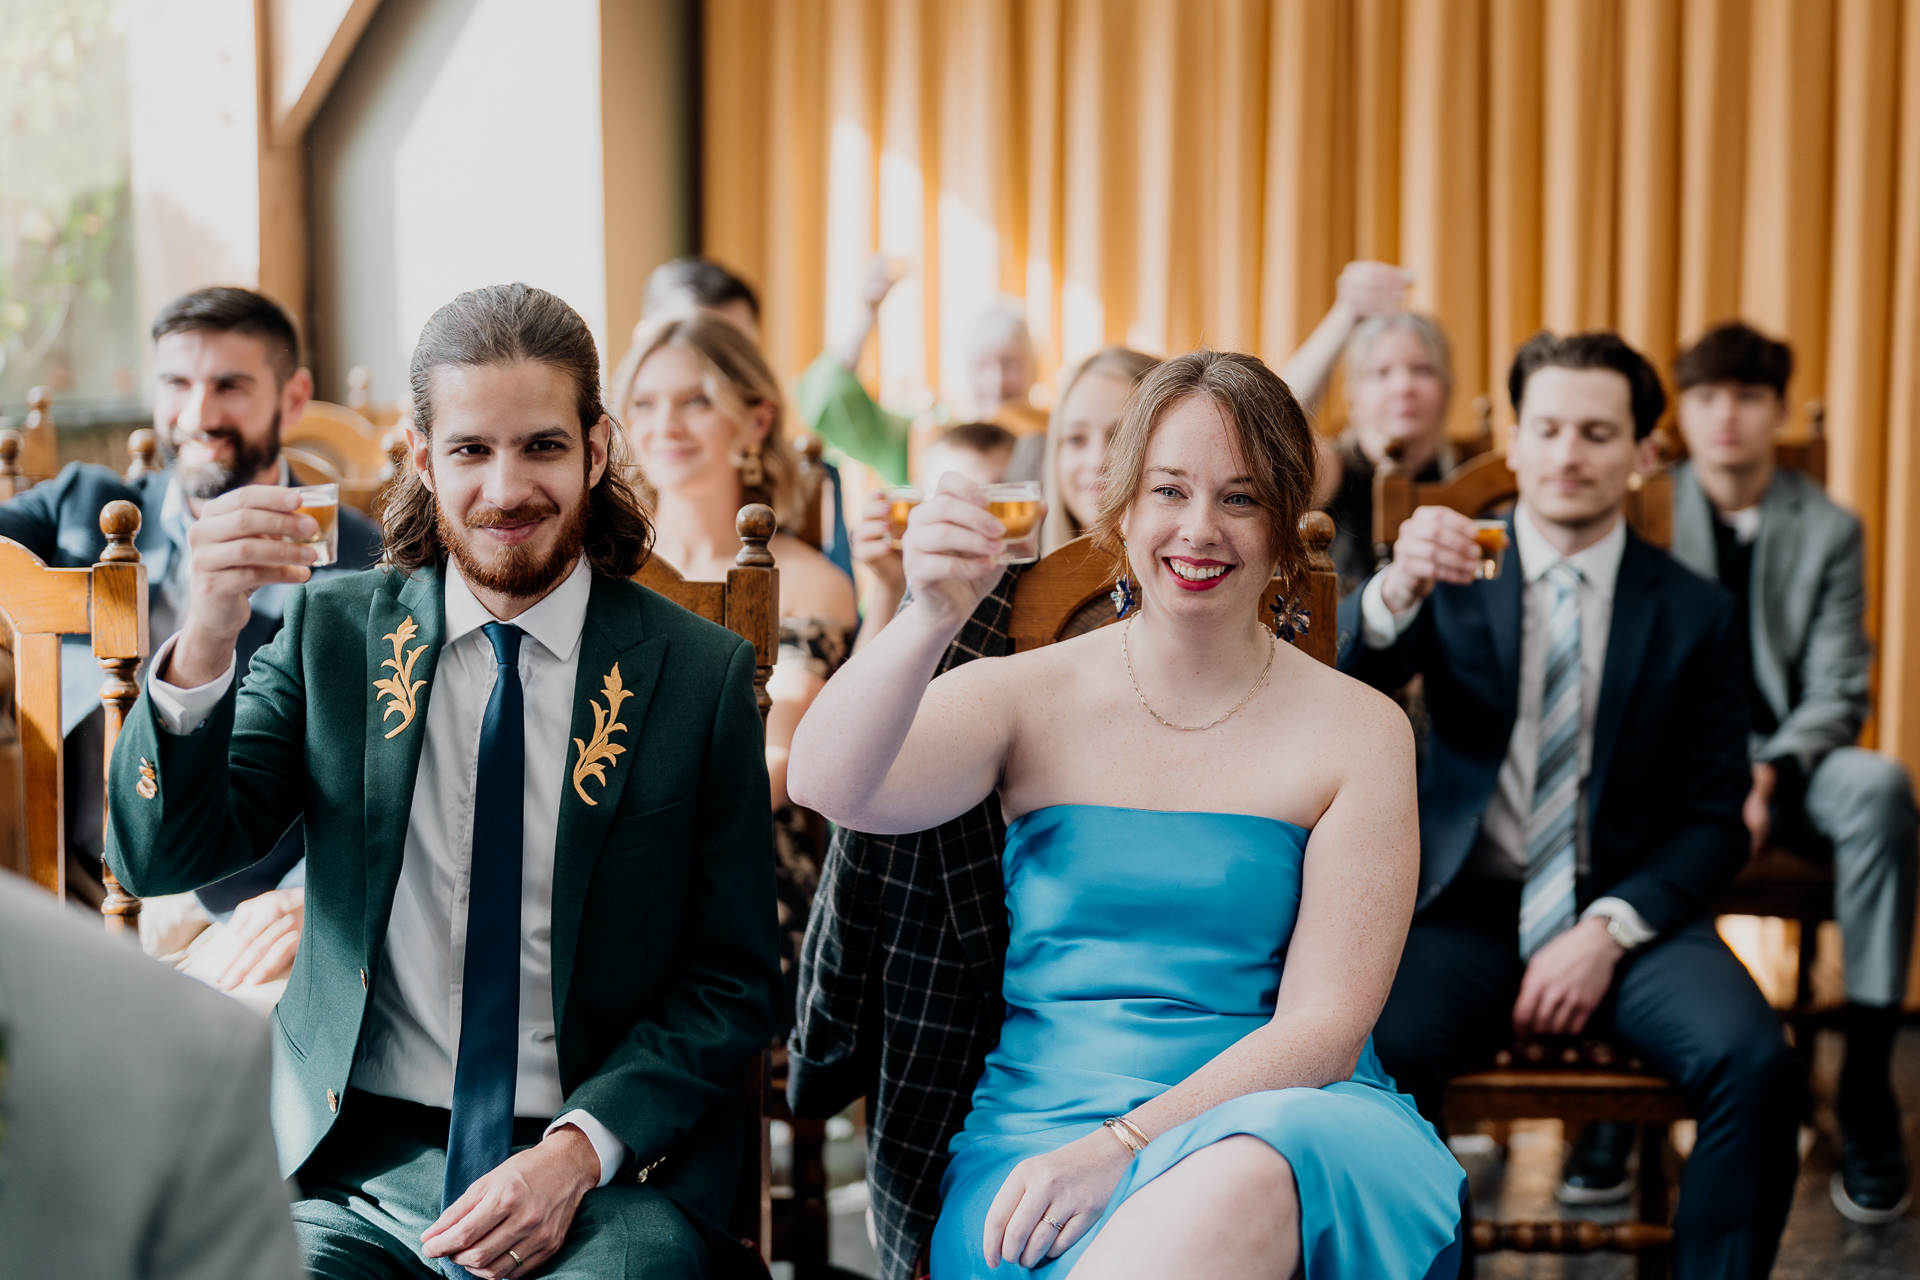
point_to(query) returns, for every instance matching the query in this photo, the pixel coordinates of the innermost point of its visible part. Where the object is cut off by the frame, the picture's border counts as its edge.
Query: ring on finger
(518, 1261)
(1057, 1226)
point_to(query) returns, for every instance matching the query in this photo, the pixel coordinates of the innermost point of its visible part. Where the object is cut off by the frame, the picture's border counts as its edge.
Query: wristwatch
(1618, 932)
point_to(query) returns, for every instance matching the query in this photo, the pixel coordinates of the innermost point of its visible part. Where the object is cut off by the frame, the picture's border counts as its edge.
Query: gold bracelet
(1138, 1132)
(1125, 1132)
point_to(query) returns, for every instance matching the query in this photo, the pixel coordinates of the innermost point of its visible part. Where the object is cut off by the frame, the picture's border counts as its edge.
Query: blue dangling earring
(1122, 597)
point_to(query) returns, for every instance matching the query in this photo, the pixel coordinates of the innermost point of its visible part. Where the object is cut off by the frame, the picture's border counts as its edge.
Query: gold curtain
(1170, 173)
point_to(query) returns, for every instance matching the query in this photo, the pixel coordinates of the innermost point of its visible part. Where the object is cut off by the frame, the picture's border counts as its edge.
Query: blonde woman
(707, 422)
(1083, 422)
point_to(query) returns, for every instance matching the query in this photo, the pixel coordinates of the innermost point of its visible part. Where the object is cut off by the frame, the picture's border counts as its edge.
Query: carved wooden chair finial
(755, 525)
(12, 479)
(120, 521)
(142, 448)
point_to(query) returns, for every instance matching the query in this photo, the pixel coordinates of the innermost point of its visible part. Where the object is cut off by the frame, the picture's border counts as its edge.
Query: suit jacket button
(333, 1101)
(363, 979)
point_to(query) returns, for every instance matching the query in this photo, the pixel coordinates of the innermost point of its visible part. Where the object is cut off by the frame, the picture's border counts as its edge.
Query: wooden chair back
(1066, 593)
(39, 438)
(808, 449)
(39, 604)
(13, 481)
(1484, 484)
(143, 453)
(332, 444)
(748, 604)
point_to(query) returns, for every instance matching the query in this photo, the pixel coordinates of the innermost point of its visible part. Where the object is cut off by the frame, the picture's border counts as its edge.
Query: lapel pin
(400, 688)
(147, 786)
(598, 756)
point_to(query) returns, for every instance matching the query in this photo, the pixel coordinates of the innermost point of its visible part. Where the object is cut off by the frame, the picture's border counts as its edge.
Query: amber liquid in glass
(1492, 539)
(898, 509)
(327, 516)
(1019, 517)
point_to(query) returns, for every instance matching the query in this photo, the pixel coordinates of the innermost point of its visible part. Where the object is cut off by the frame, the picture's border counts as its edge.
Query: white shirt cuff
(1379, 625)
(184, 711)
(612, 1151)
(1621, 912)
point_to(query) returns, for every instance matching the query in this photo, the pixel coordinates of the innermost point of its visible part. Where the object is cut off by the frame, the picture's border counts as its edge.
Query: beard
(522, 571)
(210, 479)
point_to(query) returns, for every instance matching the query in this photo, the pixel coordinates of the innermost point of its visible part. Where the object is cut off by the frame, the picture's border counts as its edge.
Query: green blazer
(665, 963)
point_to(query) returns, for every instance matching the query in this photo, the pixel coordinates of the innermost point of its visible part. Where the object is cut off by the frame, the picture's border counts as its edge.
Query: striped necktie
(480, 1133)
(1547, 900)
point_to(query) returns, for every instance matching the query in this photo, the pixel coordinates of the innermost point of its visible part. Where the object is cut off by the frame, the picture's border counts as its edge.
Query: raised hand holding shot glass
(244, 539)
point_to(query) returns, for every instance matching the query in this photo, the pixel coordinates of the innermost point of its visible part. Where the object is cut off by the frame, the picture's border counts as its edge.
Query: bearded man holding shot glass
(227, 381)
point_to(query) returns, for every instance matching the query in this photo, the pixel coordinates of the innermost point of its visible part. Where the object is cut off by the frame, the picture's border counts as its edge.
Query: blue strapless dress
(1143, 944)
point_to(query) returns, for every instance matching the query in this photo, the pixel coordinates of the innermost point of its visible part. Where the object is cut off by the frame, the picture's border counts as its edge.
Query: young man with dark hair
(540, 943)
(227, 379)
(686, 285)
(1580, 800)
(1793, 560)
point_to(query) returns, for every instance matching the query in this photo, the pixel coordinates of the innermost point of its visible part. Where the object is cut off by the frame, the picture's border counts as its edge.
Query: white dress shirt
(1501, 851)
(413, 1029)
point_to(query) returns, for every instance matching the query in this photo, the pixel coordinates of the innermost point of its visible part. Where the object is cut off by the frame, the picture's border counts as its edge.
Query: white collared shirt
(413, 1022)
(1501, 852)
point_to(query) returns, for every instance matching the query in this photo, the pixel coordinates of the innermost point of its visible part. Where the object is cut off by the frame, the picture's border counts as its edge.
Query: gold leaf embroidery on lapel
(147, 787)
(400, 688)
(597, 757)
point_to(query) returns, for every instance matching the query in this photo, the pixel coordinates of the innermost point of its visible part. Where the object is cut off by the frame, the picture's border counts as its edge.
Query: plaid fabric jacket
(900, 986)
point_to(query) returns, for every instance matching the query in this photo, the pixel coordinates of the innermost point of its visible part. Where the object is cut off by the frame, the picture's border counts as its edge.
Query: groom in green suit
(540, 926)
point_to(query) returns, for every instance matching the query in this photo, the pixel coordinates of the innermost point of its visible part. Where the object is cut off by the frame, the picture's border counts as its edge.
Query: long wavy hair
(1268, 425)
(497, 325)
(1123, 363)
(738, 380)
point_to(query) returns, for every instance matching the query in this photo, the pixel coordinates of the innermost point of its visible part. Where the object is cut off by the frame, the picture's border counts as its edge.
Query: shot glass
(322, 502)
(1491, 538)
(1016, 504)
(901, 500)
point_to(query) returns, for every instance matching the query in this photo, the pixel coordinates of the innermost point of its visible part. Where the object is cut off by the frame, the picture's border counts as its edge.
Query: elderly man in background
(227, 381)
(1792, 558)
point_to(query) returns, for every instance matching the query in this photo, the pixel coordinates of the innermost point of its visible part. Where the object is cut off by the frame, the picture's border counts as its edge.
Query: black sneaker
(1596, 1168)
(1872, 1189)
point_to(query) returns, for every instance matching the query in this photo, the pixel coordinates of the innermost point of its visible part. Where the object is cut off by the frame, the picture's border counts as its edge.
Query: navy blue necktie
(480, 1136)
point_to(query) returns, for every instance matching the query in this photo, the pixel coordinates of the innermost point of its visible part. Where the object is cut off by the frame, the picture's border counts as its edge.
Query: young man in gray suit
(1792, 558)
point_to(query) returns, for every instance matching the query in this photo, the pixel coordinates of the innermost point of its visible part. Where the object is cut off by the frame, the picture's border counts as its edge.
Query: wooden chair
(747, 604)
(39, 438)
(808, 449)
(332, 444)
(13, 481)
(1483, 484)
(109, 602)
(1065, 594)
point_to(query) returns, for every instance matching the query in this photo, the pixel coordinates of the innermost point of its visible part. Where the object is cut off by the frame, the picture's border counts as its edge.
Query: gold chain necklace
(1273, 644)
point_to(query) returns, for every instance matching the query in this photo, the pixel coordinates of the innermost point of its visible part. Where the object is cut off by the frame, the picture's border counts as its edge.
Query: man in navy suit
(227, 378)
(1580, 802)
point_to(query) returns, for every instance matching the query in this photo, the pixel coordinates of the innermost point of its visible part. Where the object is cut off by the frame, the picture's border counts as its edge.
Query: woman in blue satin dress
(1210, 864)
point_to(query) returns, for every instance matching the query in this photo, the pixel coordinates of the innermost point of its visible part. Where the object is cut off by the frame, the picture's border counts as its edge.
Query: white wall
(193, 138)
(460, 147)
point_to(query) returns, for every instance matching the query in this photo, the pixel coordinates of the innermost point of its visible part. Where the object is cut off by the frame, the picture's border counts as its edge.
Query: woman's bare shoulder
(809, 582)
(1355, 716)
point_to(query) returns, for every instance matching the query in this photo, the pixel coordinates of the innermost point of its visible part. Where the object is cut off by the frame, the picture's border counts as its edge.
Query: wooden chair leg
(1652, 1264)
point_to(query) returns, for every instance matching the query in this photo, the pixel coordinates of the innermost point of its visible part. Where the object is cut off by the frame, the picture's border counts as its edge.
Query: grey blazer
(1810, 650)
(136, 1144)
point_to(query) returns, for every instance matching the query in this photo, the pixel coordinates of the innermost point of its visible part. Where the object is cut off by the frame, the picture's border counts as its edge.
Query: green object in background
(834, 405)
